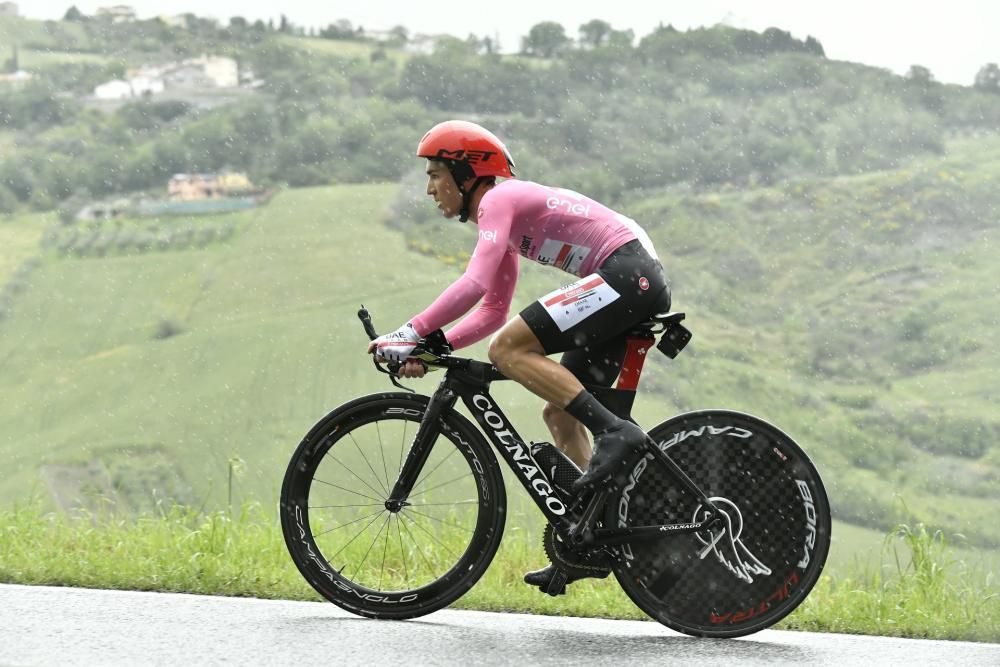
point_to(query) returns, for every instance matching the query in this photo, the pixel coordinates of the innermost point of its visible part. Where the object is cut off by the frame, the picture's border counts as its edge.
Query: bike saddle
(668, 320)
(675, 335)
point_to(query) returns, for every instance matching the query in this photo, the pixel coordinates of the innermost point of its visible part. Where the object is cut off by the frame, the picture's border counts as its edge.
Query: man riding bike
(621, 283)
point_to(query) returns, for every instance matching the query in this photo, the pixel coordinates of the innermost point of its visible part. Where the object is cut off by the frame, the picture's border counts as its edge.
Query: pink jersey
(551, 226)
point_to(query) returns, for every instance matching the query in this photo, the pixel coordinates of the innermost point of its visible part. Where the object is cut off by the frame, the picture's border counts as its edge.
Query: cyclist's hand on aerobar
(395, 346)
(412, 368)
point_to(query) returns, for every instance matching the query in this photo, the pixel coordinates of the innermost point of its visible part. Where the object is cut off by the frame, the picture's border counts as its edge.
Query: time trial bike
(393, 505)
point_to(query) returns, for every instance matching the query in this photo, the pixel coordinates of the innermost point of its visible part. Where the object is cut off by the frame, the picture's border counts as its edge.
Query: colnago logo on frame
(525, 465)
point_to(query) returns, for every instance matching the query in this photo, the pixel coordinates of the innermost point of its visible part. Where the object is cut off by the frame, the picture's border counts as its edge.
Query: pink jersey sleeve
(480, 277)
(454, 302)
(492, 313)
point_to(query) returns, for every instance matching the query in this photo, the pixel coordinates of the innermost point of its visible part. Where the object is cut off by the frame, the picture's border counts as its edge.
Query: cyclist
(621, 283)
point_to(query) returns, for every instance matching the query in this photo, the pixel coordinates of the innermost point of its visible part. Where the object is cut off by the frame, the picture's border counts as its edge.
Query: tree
(814, 46)
(595, 33)
(988, 78)
(238, 23)
(400, 34)
(74, 14)
(925, 90)
(621, 39)
(11, 64)
(920, 74)
(545, 40)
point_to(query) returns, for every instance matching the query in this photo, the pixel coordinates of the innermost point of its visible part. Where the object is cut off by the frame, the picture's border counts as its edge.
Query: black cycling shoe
(613, 448)
(553, 580)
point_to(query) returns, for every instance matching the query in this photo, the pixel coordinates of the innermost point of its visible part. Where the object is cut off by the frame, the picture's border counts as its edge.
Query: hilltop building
(192, 187)
(205, 72)
(9, 9)
(117, 13)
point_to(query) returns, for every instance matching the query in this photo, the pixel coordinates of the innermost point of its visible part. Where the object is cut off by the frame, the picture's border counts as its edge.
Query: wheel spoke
(385, 548)
(402, 553)
(381, 451)
(451, 481)
(441, 521)
(402, 443)
(373, 490)
(457, 502)
(370, 546)
(440, 463)
(368, 463)
(326, 507)
(431, 535)
(413, 539)
(317, 479)
(356, 536)
(375, 514)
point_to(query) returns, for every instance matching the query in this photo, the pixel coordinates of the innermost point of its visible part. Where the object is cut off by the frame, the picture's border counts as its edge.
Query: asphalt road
(68, 626)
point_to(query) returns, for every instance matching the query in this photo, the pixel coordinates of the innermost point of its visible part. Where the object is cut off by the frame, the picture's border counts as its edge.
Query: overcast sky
(953, 39)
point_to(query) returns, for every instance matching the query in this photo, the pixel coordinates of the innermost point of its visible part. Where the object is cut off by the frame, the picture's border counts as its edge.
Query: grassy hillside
(33, 34)
(189, 370)
(164, 365)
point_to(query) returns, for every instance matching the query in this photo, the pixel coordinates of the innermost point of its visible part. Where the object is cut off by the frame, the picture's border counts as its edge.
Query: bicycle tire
(436, 548)
(736, 580)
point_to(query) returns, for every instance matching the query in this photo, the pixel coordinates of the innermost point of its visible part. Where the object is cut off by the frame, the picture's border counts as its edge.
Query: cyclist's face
(441, 186)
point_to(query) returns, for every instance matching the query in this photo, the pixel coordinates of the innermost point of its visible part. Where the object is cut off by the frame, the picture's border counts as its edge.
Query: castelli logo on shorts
(643, 283)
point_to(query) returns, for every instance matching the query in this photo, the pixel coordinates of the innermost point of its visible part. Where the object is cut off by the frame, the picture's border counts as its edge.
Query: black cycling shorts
(588, 319)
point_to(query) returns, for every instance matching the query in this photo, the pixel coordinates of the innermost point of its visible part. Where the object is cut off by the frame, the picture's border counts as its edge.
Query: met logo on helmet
(473, 157)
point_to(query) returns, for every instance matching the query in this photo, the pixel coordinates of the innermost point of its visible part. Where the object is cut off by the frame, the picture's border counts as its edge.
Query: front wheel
(391, 560)
(755, 566)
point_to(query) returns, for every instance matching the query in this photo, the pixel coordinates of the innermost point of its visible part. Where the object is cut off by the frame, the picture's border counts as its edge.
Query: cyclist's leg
(627, 288)
(568, 434)
(597, 364)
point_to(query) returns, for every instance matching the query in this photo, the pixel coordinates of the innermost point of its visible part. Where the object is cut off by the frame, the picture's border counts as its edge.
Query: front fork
(442, 401)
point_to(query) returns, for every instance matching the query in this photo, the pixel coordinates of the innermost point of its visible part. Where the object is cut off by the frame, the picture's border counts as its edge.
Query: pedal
(557, 584)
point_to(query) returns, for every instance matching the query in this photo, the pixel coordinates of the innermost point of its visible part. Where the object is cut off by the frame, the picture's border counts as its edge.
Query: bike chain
(572, 561)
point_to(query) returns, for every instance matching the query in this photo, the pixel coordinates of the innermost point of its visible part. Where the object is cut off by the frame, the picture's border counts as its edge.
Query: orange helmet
(460, 141)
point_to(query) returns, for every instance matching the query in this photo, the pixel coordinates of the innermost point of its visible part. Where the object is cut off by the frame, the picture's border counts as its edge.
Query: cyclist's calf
(568, 434)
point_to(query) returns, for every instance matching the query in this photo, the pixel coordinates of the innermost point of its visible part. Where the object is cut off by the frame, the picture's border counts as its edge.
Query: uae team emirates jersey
(551, 226)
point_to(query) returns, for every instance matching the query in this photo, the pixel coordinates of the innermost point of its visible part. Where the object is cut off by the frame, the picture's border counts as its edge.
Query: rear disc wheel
(754, 567)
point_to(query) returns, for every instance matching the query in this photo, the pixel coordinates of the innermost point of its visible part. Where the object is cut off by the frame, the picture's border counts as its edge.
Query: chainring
(574, 562)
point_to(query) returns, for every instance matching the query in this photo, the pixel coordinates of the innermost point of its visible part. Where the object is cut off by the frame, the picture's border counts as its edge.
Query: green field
(33, 34)
(189, 372)
(33, 58)
(340, 47)
(19, 238)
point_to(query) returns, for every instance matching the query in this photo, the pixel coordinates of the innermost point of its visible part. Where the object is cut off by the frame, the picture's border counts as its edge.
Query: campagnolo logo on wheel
(681, 436)
(726, 544)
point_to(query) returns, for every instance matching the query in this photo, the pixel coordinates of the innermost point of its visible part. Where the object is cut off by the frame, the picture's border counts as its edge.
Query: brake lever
(393, 370)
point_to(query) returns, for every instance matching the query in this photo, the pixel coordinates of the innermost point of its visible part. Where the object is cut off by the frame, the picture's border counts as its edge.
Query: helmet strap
(463, 214)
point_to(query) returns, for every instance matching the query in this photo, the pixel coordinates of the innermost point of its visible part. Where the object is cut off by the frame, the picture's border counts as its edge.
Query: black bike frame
(470, 380)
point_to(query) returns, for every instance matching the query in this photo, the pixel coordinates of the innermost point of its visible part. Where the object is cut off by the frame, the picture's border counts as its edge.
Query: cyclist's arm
(479, 276)
(492, 313)
(454, 302)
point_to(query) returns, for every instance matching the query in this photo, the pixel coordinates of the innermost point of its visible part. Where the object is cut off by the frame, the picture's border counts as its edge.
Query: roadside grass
(919, 590)
(19, 239)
